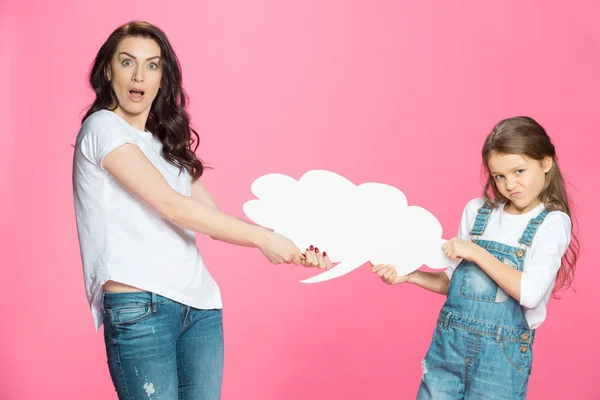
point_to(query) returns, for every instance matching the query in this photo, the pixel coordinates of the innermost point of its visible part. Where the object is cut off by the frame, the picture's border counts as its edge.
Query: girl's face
(135, 75)
(520, 179)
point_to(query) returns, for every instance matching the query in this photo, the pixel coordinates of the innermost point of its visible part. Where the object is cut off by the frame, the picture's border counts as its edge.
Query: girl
(513, 246)
(138, 201)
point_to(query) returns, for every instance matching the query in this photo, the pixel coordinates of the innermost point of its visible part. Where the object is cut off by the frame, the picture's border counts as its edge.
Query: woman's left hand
(456, 249)
(315, 258)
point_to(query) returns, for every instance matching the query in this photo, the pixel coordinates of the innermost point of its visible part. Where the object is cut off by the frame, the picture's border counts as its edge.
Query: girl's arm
(543, 261)
(507, 278)
(436, 282)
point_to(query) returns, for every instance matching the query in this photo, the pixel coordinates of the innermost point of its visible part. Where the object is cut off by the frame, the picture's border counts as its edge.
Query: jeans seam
(468, 364)
(118, 355)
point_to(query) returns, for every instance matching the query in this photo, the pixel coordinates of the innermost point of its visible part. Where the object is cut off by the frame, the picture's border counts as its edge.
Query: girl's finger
(376, 268)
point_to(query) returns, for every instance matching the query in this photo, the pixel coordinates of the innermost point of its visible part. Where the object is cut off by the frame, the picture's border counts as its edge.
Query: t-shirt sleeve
(466, 222)
(550, 244)
(101, 136)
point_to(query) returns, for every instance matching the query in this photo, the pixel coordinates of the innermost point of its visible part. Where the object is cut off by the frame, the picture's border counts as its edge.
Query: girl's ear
(547, 164)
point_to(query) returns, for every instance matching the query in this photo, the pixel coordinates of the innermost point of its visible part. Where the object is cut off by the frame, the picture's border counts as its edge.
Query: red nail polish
(324, 254)
(316, 249)
(312, 247)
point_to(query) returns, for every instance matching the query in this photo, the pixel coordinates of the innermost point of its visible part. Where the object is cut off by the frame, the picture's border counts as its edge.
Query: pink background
(398, 92)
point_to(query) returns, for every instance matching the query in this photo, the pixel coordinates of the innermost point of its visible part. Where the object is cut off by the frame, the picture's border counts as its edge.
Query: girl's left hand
(456, 249)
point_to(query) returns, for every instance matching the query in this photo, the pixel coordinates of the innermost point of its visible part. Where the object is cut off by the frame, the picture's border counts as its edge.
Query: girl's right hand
(280, 249)
(388, 274)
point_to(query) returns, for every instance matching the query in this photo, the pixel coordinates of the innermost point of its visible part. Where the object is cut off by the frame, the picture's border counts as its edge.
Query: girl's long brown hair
(523, 135)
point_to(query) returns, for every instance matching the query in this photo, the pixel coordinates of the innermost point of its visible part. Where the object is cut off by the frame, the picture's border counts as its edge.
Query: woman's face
(135, 75)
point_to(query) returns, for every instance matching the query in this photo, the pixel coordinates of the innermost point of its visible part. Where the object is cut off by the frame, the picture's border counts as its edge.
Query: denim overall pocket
(477, 285)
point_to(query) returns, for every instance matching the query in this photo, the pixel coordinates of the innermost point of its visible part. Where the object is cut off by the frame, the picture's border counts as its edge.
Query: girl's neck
(510, 208)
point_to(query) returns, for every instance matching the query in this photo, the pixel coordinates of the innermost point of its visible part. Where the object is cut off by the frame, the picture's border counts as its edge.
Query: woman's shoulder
(100, 121)
(103, 125)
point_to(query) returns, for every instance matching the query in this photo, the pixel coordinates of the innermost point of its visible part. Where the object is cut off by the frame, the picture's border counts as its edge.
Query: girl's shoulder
(557, 220)
(473, 206)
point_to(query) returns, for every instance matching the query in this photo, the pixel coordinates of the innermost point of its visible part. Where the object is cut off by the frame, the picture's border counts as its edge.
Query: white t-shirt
(542, 260)
(125, 240)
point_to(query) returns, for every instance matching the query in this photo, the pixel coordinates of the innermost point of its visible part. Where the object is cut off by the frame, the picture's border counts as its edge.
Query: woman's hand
(316, 258)
(280, 249)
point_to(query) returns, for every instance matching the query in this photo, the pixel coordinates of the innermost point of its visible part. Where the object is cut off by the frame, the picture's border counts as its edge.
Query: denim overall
(481, 347)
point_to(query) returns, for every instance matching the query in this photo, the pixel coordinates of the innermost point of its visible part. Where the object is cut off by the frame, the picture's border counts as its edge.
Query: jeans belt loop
(498, 334)
(447, 319)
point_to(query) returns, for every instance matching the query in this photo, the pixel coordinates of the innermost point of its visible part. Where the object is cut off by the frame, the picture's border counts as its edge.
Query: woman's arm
(199, 192)
(128, 165)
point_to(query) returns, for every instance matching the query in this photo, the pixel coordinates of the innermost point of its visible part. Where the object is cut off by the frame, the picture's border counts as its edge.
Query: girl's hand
(456, 249)
(316, 258)
(388, 274)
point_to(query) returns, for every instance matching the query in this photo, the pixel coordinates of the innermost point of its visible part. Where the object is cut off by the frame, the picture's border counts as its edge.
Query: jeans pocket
(130, 314)
(518, 355)
(477, 285)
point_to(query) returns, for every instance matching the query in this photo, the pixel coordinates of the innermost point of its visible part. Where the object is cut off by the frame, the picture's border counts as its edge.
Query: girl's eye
(520, 171)
(153, 65)
(498, 177)
(126, 63)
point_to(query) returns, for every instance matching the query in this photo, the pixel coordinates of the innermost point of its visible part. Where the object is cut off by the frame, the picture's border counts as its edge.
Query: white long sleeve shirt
(542, 260)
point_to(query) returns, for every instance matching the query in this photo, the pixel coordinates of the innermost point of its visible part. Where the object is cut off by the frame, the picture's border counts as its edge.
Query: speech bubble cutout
(354, 224)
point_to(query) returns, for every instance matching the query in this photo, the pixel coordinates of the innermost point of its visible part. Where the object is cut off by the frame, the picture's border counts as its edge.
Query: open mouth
(136, 93)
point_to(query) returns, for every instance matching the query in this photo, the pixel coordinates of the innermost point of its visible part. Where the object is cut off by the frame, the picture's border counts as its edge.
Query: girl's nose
(510, 185)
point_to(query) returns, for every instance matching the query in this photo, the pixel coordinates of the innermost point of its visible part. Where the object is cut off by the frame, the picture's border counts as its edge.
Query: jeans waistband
(113, 299)
(497, 331)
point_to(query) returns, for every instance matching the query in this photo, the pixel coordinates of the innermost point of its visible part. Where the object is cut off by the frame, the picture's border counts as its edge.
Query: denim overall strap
(527, 237)
(481, 220)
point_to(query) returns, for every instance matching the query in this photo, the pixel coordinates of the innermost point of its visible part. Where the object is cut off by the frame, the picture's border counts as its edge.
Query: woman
(138, 202)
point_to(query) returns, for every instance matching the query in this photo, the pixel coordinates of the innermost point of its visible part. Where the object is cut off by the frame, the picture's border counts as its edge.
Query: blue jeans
(482, 346)
(158, 348)
(465, 361)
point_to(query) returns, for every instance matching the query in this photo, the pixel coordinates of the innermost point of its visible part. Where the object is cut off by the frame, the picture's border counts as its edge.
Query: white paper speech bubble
(354, 224)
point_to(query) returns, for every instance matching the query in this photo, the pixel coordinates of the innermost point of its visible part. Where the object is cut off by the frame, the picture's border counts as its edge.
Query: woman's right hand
(388, 274)
(280, 249)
